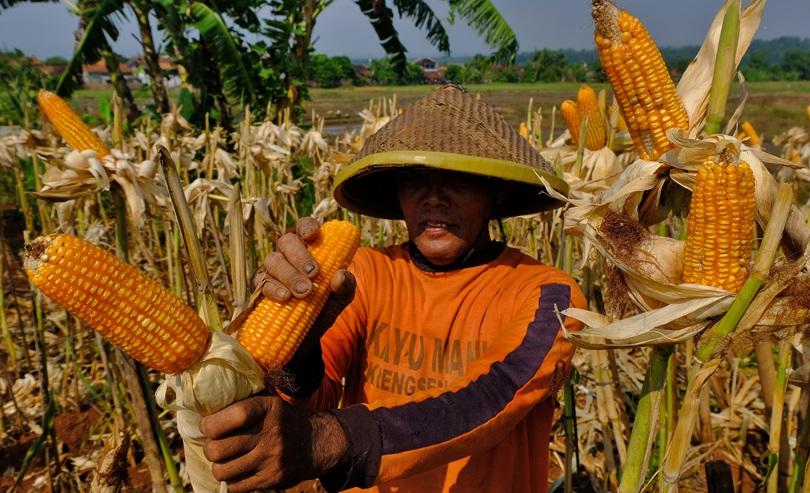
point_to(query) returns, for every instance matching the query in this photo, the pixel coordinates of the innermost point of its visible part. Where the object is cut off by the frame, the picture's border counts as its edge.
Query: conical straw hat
(451, 130)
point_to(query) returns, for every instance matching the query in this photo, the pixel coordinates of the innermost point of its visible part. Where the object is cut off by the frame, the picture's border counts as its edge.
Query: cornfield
(688, 234)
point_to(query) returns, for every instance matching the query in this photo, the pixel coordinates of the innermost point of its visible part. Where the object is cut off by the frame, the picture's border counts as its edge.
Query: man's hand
(288, 272)
(263, 442)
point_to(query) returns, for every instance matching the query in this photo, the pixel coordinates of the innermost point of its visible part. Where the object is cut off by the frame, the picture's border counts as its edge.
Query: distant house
(48, 69)
(170, 73)
(97, 75)
(427, 64)
(133, 70)
(436, 76)
(52, 69)
(361, 71)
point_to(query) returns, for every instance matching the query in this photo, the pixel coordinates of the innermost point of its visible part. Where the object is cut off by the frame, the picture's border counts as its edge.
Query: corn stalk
(644, 424)
(723, 68)
(204, 295)
(775, 428)
(706, 361)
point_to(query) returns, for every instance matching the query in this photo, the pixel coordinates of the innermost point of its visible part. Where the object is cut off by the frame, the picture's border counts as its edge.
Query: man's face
(446, 212)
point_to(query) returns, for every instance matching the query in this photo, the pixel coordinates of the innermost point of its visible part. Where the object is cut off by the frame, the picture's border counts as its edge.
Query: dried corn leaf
(644, 329)
(695, 84)
(197, 195)
(81, 173)
(785, 312)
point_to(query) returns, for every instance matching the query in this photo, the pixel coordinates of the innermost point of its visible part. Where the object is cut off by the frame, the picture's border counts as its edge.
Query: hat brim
(367, 186)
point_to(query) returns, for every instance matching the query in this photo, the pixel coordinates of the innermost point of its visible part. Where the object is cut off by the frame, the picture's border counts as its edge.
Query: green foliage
(547, 66)
(481, 15)
(382, 20)
(99, 31)
(758, 67)
(329, 71)
(237, 59)
(507, 73)
(543, 66)
(305, 197)
(185, 101)
(56, 60)
(484, 17)
(383, 72)
(8, 193)
(236, 74)
(454, 73)
(105, 111)
(424, 18)
(796, 65)
(20, 80)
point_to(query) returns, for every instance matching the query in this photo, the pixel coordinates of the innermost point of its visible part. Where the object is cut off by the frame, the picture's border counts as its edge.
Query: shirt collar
(475, 257)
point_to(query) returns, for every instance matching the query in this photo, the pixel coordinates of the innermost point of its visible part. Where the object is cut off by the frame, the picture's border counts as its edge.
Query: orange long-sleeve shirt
(447, 374)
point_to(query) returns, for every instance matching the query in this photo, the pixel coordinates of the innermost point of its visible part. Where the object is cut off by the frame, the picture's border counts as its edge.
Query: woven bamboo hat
(451, 130)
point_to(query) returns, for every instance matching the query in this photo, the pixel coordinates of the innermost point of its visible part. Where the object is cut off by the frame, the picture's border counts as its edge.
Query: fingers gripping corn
(273, 331)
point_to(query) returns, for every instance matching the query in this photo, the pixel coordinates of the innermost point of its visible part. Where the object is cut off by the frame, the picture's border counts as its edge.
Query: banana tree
(97, 29)
(481, 15)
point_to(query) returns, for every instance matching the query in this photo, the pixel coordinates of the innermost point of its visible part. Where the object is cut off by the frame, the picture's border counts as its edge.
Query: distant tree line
(229, 56)
(778, 59)
(541, 66)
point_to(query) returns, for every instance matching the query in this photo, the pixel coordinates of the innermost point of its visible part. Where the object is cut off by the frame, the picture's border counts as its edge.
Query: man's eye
(413, 182)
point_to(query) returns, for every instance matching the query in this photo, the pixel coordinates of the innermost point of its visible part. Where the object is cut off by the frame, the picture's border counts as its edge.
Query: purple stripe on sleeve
(451, 414)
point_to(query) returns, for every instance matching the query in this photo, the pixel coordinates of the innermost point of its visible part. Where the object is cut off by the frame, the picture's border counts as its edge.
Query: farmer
(442, 356)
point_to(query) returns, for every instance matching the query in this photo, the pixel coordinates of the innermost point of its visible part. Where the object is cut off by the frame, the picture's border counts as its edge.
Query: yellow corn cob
(807, 111)
(720, 225)
(273, 331)
(133, 312)
(794, 156)
(639, 77)
(523, 130)
(570, 114)
(751, 133)
(588, 105)
(68, 124)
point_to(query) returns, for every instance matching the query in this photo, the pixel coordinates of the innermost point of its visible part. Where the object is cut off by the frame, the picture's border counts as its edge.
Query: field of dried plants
(674, 380)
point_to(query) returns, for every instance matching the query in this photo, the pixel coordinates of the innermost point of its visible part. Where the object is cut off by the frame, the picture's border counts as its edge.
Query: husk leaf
(225, 374)
(696, 82)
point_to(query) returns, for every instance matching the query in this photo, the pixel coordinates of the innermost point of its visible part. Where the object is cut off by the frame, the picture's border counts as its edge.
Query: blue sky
(47, 29)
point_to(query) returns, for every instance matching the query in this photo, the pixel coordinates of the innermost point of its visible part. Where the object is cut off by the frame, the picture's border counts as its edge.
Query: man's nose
(435, 193)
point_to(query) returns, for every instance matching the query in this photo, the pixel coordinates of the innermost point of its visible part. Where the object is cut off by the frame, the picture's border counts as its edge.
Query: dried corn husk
(691, 152)
(651, 266)
(225, 374)
(598, 171)
(197, 195)
(694, 86)
(81, 173)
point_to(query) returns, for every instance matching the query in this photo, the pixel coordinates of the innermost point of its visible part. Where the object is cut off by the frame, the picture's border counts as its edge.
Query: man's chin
(438, 252)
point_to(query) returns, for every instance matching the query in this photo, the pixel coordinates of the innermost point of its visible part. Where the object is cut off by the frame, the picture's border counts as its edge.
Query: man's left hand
(263, 442)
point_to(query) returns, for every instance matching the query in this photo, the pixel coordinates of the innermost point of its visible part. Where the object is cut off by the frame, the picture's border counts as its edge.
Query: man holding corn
(442, 355)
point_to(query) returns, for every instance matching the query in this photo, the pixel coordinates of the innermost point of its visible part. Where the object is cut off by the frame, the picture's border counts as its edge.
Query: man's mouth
(436, 228)
(435, 225)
